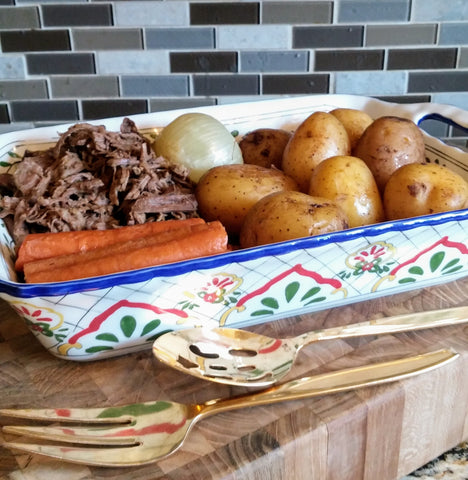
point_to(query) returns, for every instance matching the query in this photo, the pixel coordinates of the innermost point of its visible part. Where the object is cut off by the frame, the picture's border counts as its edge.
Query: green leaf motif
(310, 293)
(315, 300)
(150, 326)
(452, 270)
(259, 313)
(98, 349)
(452, 263)
(270, 302)
(291, 290)
(108, 337)
(128, 325)
(416, 270)
(407, 280)
(436, 261)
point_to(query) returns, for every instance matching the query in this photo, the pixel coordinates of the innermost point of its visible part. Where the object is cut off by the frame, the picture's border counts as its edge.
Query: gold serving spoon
(240, 357)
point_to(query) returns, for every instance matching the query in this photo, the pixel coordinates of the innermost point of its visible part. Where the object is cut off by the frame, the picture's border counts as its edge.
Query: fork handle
(399, 323)
(336, 381)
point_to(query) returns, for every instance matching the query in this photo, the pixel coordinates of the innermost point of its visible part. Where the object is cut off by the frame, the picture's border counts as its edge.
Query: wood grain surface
(381, 432)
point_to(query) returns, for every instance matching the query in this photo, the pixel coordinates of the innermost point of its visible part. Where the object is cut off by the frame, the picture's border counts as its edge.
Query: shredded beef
(94, 179)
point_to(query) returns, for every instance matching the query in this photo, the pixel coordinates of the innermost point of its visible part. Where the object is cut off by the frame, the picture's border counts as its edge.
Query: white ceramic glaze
(116, 314)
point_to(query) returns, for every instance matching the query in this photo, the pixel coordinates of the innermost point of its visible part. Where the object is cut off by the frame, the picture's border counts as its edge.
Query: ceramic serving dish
(116, 314)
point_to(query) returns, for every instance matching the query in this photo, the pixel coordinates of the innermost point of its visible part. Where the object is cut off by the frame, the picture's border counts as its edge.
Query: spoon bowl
(239, 357)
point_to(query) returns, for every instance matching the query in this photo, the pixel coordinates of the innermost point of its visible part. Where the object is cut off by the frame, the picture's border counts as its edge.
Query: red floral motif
(367, 259)
(214, 291)
(33, 315)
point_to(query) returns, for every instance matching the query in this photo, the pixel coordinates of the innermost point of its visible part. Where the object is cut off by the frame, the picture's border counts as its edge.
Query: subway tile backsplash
(66, 61)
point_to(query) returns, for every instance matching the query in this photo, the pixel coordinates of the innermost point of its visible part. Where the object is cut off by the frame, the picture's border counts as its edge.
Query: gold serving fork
(142, 433)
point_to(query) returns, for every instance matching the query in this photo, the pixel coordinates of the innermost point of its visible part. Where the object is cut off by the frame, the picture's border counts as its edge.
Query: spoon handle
(399, 323)
(336, 381)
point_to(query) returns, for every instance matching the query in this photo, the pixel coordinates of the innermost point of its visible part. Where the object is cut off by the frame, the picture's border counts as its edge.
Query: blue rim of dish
(443, 119)
(25, 290)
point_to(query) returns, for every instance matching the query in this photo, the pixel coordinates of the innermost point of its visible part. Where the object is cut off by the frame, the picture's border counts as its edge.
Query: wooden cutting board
(375, 433)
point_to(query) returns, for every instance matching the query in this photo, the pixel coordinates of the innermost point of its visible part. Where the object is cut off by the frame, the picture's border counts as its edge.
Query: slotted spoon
(240, 357)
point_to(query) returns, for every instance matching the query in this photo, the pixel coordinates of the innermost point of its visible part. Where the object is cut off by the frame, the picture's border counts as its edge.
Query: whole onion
(199, 142)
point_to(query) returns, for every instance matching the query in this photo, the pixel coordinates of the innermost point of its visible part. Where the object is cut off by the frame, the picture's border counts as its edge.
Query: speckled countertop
(452, 465)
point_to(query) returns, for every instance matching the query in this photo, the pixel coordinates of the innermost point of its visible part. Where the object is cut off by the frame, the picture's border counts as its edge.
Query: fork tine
(91, 436)
(61, 414)
(107, 457)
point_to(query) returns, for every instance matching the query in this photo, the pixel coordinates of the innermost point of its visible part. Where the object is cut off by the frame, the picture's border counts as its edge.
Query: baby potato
(264, 146)
(354, 121)
(349, 183)
(288, 215)
(421, 189)
(319, 136)
(227, 192)
(389, 143)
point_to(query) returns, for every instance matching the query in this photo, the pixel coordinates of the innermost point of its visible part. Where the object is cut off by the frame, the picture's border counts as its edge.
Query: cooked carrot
(172, 246)
(45, 245)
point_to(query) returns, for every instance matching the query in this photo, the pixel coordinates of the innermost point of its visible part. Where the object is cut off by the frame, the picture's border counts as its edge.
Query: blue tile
(438, 10)
(370, 83)
(453, 34)
(274, 61)
(180, 38)
(155, 86)
(371, 11)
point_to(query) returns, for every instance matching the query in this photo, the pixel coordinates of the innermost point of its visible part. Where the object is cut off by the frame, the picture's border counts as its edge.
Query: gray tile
(60, 63)
(274, 61)
(163, 104)
(345, 36)
(73, 15)
(23, 89)
(155, 86)
(96, 109)
(180, 38)
(143, 62)
(370, 83)
(14, 127)
(294, 84)
(4, 115)
(463, 60)
(371, 10)
(84, 86)
(404, 34)
(239, 37)
(161, 14)
(225, 85)
(453, 34)
(421, 58)
(43, 110)
(207, 62)
(12, 66)
(340, 60)
(18, 17)
(437, 10)
(34, 40)
(233, 99)
(297, 12)
(107, 39)
(224, 13)
(455, 81)
(405, 98)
